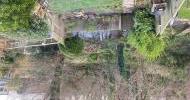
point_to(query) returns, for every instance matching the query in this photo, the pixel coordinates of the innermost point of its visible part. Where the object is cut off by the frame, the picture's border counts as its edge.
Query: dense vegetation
(73, 45)
(108, 65)
(17, 21)
(143, 36)
(38, 25)
(15, 14)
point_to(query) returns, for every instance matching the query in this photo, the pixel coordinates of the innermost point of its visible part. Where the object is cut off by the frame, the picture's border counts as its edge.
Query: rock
(180, 25)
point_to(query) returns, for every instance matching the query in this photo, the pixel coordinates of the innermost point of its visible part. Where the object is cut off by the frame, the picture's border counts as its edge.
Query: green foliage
(15, 14)
(103, 55)
(17, 22)
(38, 25)
(106, 55)
(143, 36)
(93, 56)
(177, 54)
(72, 45)
(144, 21)
(177, 57)
(37, 30)
(121, 61)
(179, 74)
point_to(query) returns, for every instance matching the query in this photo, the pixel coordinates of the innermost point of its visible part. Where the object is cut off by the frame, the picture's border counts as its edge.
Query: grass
(61, 6)
(185, 10)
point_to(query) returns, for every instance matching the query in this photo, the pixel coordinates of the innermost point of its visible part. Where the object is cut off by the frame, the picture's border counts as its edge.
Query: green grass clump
(93, 56)
(143, 36)
(185, 10)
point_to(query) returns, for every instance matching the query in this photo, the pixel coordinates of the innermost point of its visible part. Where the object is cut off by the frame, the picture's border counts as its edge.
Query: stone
(180, 25)
(186, 31)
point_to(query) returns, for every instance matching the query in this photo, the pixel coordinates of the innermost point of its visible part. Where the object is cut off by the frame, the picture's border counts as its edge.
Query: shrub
(72, 45)
(143, 36)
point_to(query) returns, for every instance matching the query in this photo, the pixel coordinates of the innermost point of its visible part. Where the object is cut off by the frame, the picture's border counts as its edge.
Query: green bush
(38, 29)
(17, 21)
(72, 45)
(143, 36)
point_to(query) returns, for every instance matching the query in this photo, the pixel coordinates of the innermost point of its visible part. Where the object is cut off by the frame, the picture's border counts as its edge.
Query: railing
(25, 44)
